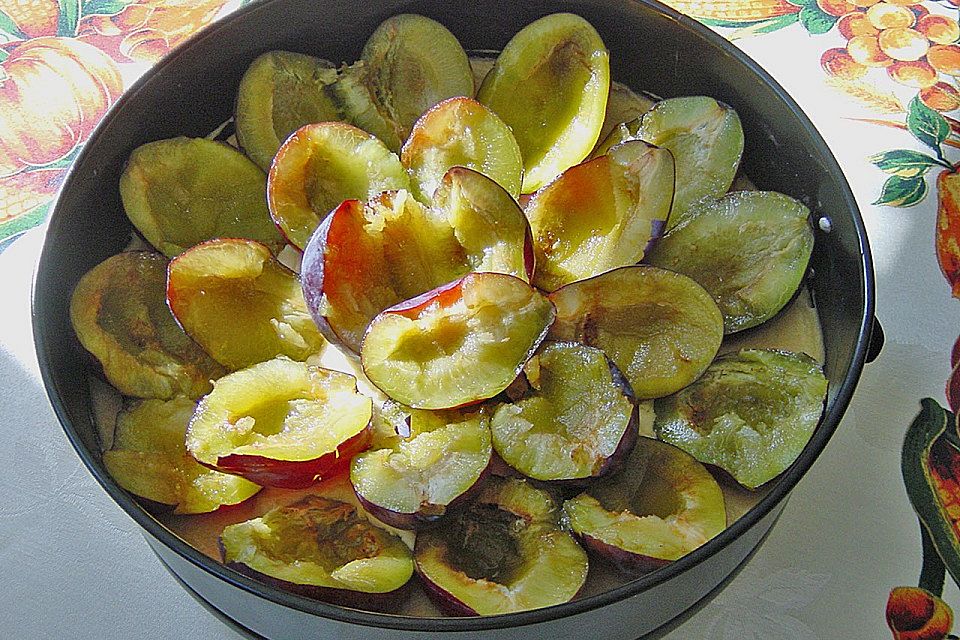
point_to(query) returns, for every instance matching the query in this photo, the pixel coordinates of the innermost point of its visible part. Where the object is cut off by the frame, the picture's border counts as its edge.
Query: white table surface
(75, 566)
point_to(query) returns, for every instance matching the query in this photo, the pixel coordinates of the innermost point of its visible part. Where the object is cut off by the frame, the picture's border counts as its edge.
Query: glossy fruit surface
(458, 344)
(367, 257)
(437, 460)
(320, 548)
(659, 507)
(505, 552)
(461, 132)
(280, 423)
(280, 92)
(706, 140)
(150, 460)
(601, 214)
(751, 413)
(564, 69)
(660, 328)
(319, 166)
(749, 250)
(576, 421)
(183, 191)
(120, 315)
(240, 304)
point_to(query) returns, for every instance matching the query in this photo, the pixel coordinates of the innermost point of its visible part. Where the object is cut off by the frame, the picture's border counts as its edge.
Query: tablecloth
(878, 79)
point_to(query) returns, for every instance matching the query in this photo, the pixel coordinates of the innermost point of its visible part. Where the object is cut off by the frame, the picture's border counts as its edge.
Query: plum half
(461, 132)
(461, 343)
(367, 257)
(149, 459)
(120, 315)
(321, 548)
(750, 414)
(432, 466)
(706, 140)
(550, 85)
(578, 420)
(749, 249)
(240, 303)
(503, 553)
(319, 166)
(280, 92)
(601, 214)
(281, 423)
(183, 191)
(413, 63)
(659, 507)
(661, 328)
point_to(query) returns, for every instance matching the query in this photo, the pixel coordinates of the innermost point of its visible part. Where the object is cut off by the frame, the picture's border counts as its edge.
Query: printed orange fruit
(836, 7)
(918, 74)
(948, 228)
(866, 50)
(856, 23)
(890, 16)
(54, 91)
(903, 43)
(840, 64)
(939, 29)
(945, 58)
(942, 96)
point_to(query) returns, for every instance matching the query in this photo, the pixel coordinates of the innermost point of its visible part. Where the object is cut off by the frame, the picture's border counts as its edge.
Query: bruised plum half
(750, 414)
(149, 459)
(280, 423)
(319, 166)
(367, 257)
(503, 553)
(577, 420)
(183, 191)
(280, 92)
(660, 328)
(120, 315)
(550, 85)
(240, 304)
(323, 549)
(749, 250)
(601, 214)
(438, 459)
(413, 63)
(461, 343)
(660, 506)
(461, 132)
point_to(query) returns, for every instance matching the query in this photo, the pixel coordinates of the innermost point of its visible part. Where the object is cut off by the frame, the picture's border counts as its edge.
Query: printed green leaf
(925, 456)
(765, 26)
(902, 192)
(727, 24)
(25, 222)
(905, 163)
(927, 126)
(104, 7)
(69, 17)
(932, 572)
(3, 55)
(815, 20)
(9, 29)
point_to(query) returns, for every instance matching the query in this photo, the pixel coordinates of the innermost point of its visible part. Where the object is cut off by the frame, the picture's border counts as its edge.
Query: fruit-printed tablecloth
(868, 546)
